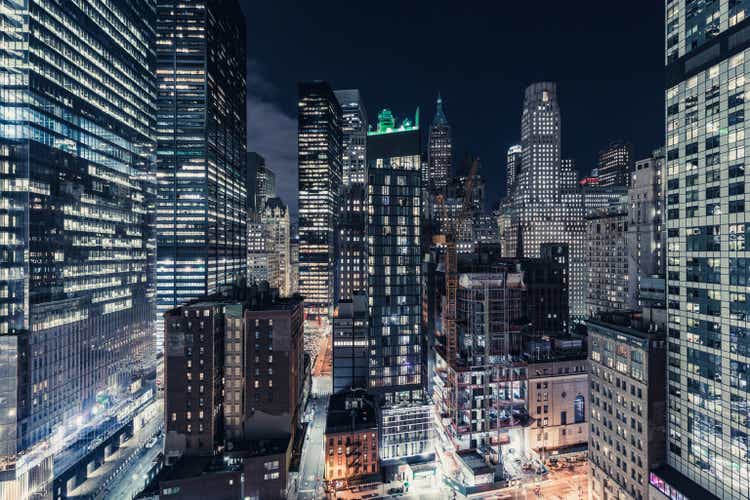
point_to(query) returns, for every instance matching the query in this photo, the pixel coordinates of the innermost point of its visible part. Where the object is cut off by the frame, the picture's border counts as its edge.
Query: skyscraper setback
(319, 156)
(201, 152)
(76, 235)
(708, 236)
(440, 150)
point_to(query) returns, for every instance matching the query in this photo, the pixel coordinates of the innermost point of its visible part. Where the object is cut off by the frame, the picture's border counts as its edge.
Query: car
(370, 495)
(396, 491)
(151, 442)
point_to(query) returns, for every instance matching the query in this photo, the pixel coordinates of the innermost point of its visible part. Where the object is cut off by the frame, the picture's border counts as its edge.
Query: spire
(439, 114)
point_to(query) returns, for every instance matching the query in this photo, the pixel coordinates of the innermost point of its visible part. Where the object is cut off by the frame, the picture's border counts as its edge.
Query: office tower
(265, 182)
(201, 152)
(76, 229)
(234, 366)
(319, 156)
(615, 164)
(546, 206)
(351, 352)
(440, 148)
(596, 197)
(628, 412)
(276, 227)
(294, 264)
(354, 137)
(262, 260)
(611, 280)
(351, 248)
(708, 376)
(394, 253)
(647, 238)
(254, 161)
(513, 163)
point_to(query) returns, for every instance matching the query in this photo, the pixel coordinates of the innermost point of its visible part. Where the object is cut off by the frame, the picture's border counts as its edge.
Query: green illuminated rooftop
(387, 124)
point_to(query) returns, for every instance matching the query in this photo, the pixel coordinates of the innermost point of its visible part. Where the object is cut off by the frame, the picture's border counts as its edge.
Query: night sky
(607, 58)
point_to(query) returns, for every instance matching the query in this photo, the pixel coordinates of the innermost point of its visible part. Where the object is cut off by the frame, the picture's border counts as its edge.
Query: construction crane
(452, 234)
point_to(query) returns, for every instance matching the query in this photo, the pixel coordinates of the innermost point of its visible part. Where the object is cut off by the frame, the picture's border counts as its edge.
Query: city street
(312, 466)
(114, 478)
(560, 484)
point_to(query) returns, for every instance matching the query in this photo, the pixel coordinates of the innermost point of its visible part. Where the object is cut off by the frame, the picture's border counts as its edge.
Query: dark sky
(607, 58)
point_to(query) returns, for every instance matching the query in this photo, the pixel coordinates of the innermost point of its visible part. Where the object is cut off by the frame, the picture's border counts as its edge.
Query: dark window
(673, 184)
(713, 159)
(712, 142)
(692, 149)
(736, 206)
(713, 192)
(736, 117)
(736, 99)
(691, 180)
(736, 188)
(736, 171)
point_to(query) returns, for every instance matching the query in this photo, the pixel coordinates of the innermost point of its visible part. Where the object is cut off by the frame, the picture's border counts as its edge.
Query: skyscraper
(394, 248)
(615, 164)
(275, 221)
(354, 137)
(513, 164)
(546, 205)
(201, 153)
(351, 248)
(265, 184)
(319, 156)
(440, 149)
(76, 228)
(708, 356)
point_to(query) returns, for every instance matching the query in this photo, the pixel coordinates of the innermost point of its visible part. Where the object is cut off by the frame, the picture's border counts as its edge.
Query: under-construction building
(480, 389)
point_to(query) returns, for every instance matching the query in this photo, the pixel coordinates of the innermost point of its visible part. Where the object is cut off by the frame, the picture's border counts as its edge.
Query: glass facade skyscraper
(319, 156)
(201, 152)
(708, 237)
(77, 107)
(354, 137)
(393, 211)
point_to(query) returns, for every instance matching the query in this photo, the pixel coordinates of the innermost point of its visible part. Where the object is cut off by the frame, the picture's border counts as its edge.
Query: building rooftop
(474, 461)
(351, 412)
(633, 323)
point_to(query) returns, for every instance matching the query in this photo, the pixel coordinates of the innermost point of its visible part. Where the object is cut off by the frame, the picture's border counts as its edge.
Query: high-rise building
(234, 368)
(611, 284)
(275, 221)
(351, 350)
(513, 164)
(626, 395)
(319, 156)
(615, 164)
(201, 152)
(77, 93)
(546, 206)
(354, 137)
(440, 148)
(707, 52)
(351, 248)
(546, 280)
(647, 237)
(265, 184)
(394, 281)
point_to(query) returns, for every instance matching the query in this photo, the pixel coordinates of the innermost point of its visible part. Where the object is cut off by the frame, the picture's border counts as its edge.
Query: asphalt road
(132, 481)
(312, 466)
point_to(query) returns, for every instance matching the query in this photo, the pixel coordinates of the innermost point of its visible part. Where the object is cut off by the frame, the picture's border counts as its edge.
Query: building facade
(201, 153)
(354, 137)
(513, 164)
(276, 228)
(707, 50)
(351, 248)
(611, 284)
(394, 284)
(440, 149)
(265, 184)
(77, 252)
(628, 409)
(556, 398)
(351, 352)
(647, 235)
(319, 156)
(615, 164)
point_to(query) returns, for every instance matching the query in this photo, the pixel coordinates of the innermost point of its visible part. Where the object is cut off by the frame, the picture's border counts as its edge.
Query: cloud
(272, 133)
